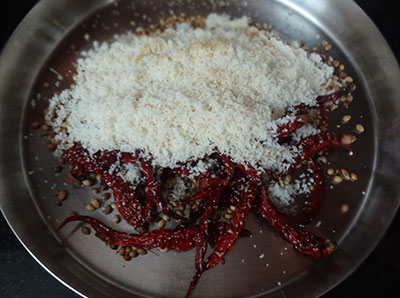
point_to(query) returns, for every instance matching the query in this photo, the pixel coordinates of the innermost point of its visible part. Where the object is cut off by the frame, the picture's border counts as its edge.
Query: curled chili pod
(322, 142)
(303, 241)
(161, 238)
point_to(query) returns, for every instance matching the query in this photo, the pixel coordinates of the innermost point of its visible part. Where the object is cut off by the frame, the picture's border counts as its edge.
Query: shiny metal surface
(87, 266)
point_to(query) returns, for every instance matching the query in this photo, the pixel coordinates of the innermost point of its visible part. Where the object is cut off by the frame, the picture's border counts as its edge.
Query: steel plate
(40, 50)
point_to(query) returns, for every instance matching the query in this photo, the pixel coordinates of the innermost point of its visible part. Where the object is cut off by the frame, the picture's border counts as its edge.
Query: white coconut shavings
(179, 94)
(179, 190)
(132, 173)
(284, 196)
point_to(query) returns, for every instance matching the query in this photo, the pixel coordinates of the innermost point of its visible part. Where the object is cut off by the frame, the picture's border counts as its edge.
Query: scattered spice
(141, 251)
(354, 177)
(62, 194)
(346, 118)
(337, 179)
(95, 203)
(359, 128)
(105, 196)
(87, 182)
(108, 209)
(133, 254)
(89, 207)
(161, 224)
(345, 175)
(85, 230)
(345, 208)
(117, 219)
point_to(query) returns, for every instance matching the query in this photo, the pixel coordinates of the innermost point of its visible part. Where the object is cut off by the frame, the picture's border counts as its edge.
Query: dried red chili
(229, 184)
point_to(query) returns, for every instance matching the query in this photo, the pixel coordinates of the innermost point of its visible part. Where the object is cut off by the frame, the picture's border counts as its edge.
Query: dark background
(378, 276)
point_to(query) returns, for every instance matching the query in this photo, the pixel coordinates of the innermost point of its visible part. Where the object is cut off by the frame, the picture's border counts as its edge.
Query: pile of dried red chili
(226, 184)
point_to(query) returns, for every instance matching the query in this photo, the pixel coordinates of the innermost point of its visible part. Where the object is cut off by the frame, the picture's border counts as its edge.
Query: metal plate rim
(12, 219)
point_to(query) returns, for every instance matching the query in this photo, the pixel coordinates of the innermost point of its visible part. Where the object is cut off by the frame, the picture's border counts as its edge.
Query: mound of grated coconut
(179, 94)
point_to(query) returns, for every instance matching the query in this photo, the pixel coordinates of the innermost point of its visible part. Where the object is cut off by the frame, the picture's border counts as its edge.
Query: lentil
(117, 219)
(113, 246)
(345, 175)
(105, 196)
(328, 47)
(133, 254)
(336, 63)
(62, 194)
(98, 178)
(45, 127)
(333, 107)
(121, 251)
(348, 139)
(140, 230)
(141, 251)
(85, 230)
(353, 177)
(87, 182)
(349, 98)
(359, 128)
(108, 209)
(346, 118)
(349, 79)
(227, 216)
(57, 169)
(345, 208)
(95, 203)
(89, 207)
(337, 179)
(51, 147)
(161, 224)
